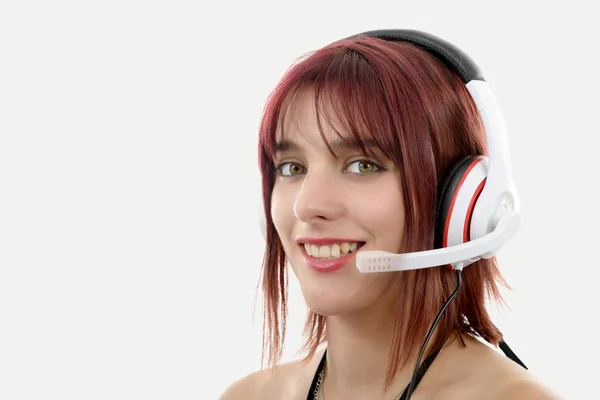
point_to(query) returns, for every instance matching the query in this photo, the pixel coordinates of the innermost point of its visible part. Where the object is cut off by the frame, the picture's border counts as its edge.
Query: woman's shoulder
(493, 375)
(513, 382)
(290, 380)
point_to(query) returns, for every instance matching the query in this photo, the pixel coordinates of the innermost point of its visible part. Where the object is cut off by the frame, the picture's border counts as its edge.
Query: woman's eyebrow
(284, 145)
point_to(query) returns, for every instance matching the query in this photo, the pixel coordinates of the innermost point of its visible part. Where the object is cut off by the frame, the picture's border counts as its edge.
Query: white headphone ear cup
(459, 193)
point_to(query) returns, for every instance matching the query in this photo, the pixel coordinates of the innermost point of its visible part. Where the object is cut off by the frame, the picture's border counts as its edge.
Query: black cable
(430, 333)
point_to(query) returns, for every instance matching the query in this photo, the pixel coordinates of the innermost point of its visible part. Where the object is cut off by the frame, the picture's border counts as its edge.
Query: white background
(129, 244)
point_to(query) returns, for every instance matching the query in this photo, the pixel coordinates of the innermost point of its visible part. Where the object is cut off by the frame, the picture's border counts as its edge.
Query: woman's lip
(325, 240)
(328, 264)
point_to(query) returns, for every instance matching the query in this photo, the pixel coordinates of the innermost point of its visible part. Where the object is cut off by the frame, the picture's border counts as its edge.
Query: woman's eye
(363, 167)
(290, 169)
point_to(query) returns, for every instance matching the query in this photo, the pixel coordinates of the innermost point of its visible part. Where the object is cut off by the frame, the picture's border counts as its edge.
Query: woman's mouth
(330, 256)
(332, 251)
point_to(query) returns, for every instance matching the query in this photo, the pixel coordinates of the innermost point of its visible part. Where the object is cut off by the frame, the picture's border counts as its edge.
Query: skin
(359, 198)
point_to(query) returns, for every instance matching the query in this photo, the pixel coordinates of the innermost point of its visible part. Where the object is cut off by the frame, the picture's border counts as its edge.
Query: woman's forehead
(325, 118)
(303, 122)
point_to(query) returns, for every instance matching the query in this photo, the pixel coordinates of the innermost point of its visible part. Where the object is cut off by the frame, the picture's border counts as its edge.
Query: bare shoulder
(486, 373)
(518, 383)
(504, 379)
(527, 389)
(286, 381)
(250, 386)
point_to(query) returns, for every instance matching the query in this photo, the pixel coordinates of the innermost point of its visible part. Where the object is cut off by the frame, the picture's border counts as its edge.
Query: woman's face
(325, 208)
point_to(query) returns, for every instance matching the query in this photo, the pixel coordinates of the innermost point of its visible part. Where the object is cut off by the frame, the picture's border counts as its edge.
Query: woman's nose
(320, 198)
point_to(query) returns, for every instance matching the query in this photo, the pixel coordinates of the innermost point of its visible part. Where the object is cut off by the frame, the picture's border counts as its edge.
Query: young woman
(354, 144)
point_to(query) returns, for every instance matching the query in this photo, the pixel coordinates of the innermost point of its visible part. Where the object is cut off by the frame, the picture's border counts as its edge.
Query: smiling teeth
(332, 251)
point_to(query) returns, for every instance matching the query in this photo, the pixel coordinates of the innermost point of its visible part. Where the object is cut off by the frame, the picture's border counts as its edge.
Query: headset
(477, 209)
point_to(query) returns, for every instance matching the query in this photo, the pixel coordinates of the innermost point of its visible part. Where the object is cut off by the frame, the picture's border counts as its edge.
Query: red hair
(424, 120)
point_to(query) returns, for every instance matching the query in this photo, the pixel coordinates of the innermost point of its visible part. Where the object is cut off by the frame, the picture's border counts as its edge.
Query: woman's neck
(358, 351)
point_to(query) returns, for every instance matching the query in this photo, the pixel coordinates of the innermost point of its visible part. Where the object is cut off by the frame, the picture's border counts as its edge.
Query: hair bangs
(347, 97)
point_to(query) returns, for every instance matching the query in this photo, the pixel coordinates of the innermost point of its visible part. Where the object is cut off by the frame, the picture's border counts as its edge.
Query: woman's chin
(332, 305)
(329, 310)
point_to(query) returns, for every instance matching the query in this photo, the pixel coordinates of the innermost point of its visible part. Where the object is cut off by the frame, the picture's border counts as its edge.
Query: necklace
(320, 382)
(318, 386)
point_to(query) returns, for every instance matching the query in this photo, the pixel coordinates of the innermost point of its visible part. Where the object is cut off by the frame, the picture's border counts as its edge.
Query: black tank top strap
(420, 374)
(313, 385)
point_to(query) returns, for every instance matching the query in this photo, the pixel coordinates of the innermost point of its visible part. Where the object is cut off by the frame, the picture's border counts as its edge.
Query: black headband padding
(445, 51)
